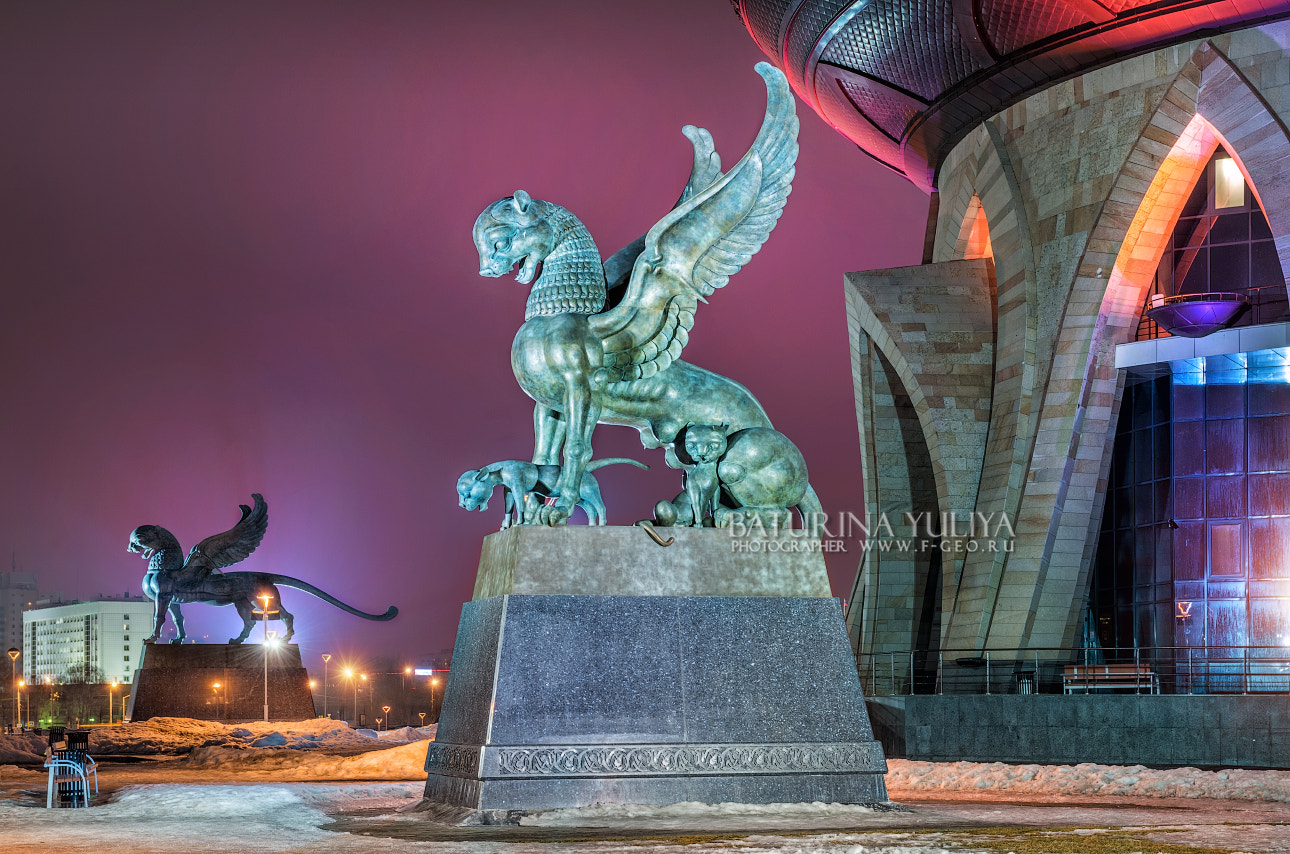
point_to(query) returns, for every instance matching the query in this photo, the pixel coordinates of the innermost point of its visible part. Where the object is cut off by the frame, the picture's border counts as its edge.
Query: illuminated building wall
(992, 378)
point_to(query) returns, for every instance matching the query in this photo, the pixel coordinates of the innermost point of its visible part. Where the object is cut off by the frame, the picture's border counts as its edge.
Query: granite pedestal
(177, 680)
(595, 666)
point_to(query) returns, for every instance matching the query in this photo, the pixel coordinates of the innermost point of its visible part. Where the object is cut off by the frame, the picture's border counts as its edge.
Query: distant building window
(1229, 184)
(127, 647)
(127, 658)
(127, 637)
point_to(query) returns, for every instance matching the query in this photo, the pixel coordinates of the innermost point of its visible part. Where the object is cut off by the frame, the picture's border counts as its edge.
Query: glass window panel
(1146, 628)
(1124, 507)
(1269, 443)
(1124, 560)
(1229, 184)
(1269, 399)
(1188, 402)
(1189, 498)
(1225, 446)
(1270, 548)
(1259, 228)
(1160, 453)
(1189, 627)
(1225, 401)
(1160, 400)
(1225, 622)
(1141, 404)
(1229, 268)
(1144, 553)
(1226, 550)
(1191, 271)
(1189, 551)
(1229, 228)
(1122, 457)
(1189, 448)
(1225, 496)
(1265, 266)
(1164, 559)
(1270, 624)
(1163, 493)
(1142, 466)
(1269, 494)
(1225, 590)
(1143, 504)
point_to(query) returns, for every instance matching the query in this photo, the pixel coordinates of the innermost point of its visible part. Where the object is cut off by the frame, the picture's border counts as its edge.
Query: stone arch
(1071, 455)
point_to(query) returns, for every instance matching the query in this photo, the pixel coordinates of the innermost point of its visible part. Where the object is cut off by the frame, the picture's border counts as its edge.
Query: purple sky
(236, 257)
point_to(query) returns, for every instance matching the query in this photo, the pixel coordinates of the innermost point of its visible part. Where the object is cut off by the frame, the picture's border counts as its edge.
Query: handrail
(1174, 670)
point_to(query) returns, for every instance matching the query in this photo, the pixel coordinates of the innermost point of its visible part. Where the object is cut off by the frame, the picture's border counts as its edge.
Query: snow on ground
(924, 778)
(209, 788)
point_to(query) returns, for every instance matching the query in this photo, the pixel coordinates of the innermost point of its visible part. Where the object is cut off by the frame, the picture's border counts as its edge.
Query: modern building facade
(99, 641)
(1085, 382)
(17, 591)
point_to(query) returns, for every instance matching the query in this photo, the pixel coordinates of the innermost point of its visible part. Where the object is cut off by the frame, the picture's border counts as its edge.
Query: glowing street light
(269, 640)
(14, 652)
(21, 685)
(111, 700)
(326, 658)
(386, 709)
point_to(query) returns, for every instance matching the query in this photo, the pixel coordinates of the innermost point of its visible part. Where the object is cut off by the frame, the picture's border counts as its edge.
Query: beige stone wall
(1080, 184)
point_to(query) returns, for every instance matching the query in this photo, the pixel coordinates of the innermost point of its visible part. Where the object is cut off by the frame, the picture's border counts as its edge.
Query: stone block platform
(177, 680)
(594, 693)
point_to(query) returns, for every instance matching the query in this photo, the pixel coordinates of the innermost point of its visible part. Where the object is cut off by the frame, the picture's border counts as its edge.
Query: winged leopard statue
(601, 343)
(173, 580)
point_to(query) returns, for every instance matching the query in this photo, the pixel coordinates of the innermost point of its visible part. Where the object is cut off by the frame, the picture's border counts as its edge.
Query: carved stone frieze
(689, 759)
(452, 759)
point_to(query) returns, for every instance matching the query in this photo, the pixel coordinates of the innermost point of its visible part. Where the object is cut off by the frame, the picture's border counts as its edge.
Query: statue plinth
(178, 681)
(595, 666)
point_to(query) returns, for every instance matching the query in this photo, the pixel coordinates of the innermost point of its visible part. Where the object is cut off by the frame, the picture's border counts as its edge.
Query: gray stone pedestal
(177, 680)
(733, 682)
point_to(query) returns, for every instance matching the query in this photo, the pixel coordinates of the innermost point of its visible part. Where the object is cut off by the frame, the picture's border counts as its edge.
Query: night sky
(235, 250)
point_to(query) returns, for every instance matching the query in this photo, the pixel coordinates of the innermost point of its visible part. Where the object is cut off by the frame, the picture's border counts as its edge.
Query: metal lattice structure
(906, 79)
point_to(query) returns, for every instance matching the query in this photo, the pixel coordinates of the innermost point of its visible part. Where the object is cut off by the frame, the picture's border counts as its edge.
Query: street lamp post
(21, 685)
(386, 709)
(14, 652)
(266, 598)
(111, 700)
(326, 658)
(353, 713)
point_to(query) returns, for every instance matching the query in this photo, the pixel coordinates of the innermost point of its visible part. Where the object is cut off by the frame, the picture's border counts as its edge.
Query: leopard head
(514, 231)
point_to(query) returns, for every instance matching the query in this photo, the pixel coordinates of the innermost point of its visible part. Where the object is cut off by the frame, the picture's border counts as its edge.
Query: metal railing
(1266, 304)
(1141, 670)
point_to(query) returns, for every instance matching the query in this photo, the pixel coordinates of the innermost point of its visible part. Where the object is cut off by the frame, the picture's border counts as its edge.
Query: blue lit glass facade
(1194, 551)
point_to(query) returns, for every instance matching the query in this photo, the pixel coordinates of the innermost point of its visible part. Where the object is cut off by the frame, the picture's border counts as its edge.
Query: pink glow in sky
(235, 250)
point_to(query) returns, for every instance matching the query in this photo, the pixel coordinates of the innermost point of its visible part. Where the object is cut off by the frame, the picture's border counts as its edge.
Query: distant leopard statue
(172, 580)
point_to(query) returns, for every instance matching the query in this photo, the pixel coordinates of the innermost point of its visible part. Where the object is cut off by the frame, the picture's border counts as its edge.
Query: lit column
(326, 658)
(111, 700)
(266, 598)
(14, 652)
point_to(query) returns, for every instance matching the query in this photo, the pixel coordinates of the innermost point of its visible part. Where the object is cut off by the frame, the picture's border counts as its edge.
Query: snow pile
(180, 735)
(22, 747)
(1086, 779)
(403, 762)
(402, 735)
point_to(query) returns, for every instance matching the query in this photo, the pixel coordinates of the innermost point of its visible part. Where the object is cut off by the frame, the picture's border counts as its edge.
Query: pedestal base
(570, 700)
(178, 680)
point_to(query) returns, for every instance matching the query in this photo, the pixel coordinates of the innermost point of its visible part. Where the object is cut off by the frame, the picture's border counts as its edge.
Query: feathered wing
(700, 244)
(706, 170)
(235, 544)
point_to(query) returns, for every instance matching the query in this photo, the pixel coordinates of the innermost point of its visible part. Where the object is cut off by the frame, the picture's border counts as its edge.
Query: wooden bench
(1082, 678)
